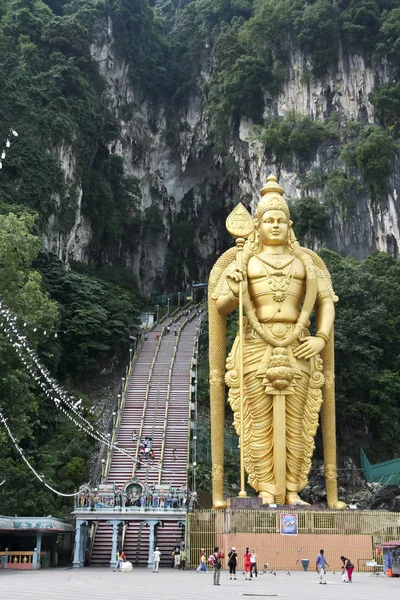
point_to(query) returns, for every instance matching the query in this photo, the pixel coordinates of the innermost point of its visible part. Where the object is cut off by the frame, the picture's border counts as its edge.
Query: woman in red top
(247, 563)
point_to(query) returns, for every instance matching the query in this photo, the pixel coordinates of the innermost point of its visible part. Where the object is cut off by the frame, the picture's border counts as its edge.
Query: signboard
(288, 524)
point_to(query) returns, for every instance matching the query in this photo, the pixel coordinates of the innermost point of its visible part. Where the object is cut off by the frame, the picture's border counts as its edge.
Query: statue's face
(274, 228)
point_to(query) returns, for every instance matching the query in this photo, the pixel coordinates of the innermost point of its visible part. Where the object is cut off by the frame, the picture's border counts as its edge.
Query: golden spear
(240, 225)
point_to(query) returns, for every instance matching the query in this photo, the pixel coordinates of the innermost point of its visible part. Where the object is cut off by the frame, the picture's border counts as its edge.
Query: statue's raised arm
(288, 371)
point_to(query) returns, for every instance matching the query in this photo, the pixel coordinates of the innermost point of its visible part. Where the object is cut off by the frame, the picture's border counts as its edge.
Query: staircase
(162, 369)
(101, 551)
(136, 545)
(176, 450)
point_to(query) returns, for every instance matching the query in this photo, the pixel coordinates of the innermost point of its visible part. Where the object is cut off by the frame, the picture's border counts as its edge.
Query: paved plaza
(168, 584)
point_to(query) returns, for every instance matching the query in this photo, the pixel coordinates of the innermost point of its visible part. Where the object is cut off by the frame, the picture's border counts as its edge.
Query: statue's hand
(310, 346)
(233, 279)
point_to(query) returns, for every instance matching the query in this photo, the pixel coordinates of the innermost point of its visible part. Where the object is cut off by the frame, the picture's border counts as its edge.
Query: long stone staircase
(157, 405)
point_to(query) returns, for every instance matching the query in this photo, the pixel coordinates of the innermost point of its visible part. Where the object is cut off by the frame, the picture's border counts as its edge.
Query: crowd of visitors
(179, 557)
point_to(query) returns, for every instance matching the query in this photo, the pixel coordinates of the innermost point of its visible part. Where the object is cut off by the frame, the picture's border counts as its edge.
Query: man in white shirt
(156, 559)
(253, 562)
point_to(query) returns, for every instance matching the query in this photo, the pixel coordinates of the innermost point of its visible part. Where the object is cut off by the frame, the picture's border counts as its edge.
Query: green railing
(386, 473)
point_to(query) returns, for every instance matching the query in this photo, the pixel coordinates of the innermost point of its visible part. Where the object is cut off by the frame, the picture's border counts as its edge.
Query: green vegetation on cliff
(63, 172)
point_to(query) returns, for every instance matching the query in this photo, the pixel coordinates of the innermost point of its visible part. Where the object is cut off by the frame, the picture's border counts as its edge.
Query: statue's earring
(255, 245)
(291, 240)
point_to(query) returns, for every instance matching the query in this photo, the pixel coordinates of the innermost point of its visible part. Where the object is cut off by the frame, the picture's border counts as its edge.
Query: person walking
(217, 565)
(182, 564)
(156, 559)
(253, 562)
(232, 562)
(120, 559)
(347, 567)
(177, 557)
(320, 565)
(202, 568)
(247, 564)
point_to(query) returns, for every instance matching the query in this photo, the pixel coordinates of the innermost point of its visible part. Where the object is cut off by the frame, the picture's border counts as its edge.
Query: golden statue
(279, 375)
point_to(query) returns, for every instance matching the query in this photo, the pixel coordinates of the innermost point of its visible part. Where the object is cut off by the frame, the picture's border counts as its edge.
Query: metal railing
(145, 402)
(121, 405)
(355, 532)
(178, 335)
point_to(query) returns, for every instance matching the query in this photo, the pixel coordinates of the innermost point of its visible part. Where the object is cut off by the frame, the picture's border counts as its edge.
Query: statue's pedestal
(252, 503)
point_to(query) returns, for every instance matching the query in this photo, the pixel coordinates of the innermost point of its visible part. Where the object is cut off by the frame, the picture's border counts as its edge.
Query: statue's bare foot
(338, 505)
(219, 504)
(293, 498)
(267, 498)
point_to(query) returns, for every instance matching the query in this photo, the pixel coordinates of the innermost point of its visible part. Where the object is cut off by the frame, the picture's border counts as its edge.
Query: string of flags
(26, 461)
(50, 387)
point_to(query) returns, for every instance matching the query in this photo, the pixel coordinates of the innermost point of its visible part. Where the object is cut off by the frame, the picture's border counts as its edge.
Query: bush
(294, 136)
(386, 99)
(309, 216)
(373, 153)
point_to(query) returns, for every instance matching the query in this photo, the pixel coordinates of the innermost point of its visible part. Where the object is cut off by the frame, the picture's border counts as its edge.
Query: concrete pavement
(168, 584)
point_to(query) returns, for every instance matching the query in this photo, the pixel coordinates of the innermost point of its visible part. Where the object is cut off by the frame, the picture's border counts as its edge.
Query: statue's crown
(272, 198)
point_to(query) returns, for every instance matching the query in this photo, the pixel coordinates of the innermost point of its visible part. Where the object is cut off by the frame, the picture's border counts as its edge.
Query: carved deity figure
(288, 372)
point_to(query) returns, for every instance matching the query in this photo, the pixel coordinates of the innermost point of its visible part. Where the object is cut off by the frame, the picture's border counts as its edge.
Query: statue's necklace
(279, 281)
(276, 261)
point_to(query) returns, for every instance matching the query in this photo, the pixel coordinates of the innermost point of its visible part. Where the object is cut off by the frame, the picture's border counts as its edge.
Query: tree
(367, 351)
(373, 152)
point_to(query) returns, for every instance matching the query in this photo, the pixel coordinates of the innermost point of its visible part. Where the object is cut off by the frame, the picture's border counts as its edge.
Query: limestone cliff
(189, 183)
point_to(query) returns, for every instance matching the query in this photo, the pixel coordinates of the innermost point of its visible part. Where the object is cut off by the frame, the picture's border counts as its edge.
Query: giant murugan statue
(280, 376)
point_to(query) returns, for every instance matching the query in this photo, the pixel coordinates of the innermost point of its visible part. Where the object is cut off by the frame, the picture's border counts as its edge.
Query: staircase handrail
(121, 405)
(192, 363)
(155, 416)
(167, 406)
(145, 401)
(92, 536)
(178, 335)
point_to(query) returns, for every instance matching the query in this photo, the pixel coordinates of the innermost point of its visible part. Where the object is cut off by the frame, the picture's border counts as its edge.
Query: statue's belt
(257, 353)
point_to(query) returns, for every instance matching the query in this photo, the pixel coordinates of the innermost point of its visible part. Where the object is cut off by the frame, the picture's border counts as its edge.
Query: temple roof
(35, 523)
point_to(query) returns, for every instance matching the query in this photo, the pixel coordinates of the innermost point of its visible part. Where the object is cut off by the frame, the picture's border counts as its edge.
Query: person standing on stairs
(156, 559)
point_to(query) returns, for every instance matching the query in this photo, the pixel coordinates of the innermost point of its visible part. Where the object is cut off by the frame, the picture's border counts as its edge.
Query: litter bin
(3, 562)
(305, 562)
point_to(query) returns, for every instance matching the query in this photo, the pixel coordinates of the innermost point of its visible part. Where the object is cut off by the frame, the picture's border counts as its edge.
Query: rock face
(188, 182)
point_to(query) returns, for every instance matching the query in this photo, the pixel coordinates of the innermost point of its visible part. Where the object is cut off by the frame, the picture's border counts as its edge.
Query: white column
(113, 561)
(152, 525)
(78, 545)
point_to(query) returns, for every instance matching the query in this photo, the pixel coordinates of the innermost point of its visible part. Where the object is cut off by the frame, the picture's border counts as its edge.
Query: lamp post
(168, 306)
(179, 299)
(103, 462)
(130, 354)
(157, 307)
(113, 416)
(123, 384)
